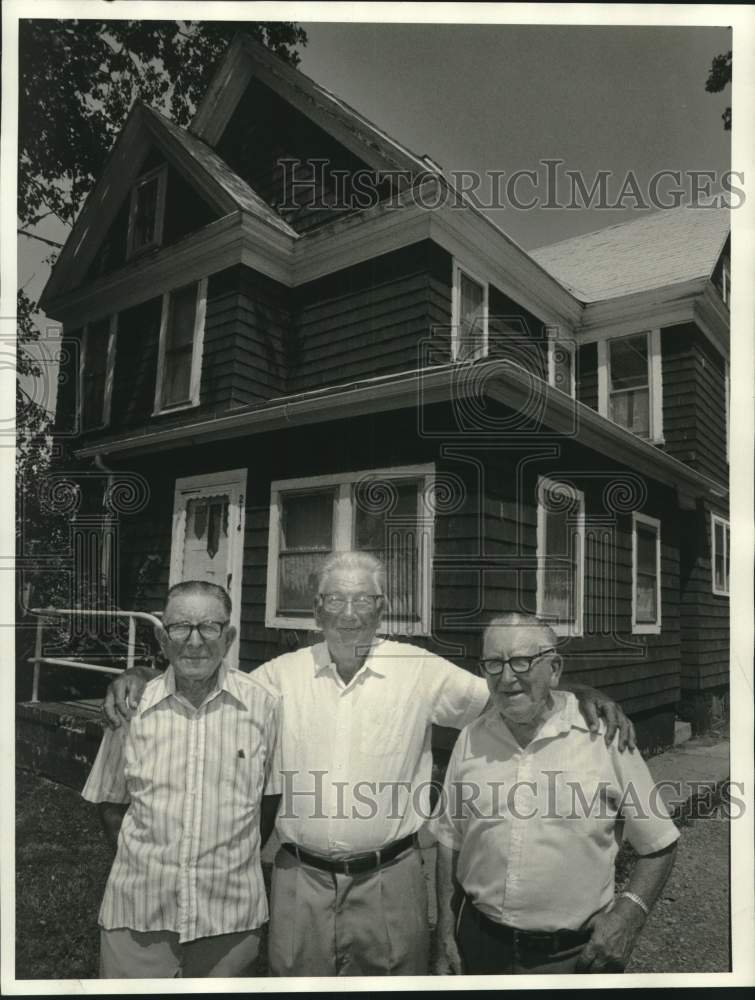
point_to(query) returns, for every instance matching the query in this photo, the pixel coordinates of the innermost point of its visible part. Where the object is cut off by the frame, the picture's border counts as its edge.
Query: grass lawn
(62, 864)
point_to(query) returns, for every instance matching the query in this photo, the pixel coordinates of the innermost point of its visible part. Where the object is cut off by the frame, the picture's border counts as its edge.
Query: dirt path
(688, 931)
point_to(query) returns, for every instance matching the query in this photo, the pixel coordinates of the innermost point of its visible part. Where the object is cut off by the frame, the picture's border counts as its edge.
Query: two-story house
(303, 339)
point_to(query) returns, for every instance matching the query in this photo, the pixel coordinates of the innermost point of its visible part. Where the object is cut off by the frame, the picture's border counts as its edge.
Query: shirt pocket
(241, 779)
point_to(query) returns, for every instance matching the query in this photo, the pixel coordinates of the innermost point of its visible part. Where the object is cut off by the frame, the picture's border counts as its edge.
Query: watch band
(638, 900)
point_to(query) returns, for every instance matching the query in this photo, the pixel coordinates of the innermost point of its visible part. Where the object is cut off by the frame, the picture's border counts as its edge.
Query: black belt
(359, 863)
(542, 941)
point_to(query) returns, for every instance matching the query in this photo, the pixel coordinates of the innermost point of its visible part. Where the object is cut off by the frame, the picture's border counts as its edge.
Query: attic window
(469, 309)
(145, 223)
(630, 383)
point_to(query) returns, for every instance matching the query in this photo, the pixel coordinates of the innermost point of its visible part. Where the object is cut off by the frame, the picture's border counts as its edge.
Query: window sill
(174, 409)
(720, 593)
(646, 630)
(309, 625)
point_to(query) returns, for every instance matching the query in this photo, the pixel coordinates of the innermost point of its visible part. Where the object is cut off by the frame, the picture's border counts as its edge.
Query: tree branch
(42, 239)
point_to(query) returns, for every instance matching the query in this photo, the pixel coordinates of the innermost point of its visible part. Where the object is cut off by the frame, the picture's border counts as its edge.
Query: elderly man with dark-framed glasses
(532, 811)
(180, 793)
(348, 894)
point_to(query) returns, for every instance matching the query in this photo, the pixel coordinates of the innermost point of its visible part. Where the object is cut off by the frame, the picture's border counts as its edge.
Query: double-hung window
(646, 575)
(629, 383)
(560, 555)
(147, 211)
(97, 362)
(469, 317)
(719, 554)
(180, 350)
(382, 511)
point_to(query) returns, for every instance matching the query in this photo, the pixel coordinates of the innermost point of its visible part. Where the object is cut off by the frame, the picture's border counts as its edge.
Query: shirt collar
(324, 661)
(165, 686)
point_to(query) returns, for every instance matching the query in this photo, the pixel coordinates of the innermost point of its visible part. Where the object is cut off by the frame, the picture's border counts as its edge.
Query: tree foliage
(79, 78)
(719, 78)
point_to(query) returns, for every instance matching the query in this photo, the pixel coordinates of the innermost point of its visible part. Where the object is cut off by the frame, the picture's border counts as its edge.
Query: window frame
(574, 628)
(656, 627)
(458, 270)
(343, 530)
(195, 378)
(161, 173)
(107, 395)
(554, 341)
(718, 519)
(655, 382)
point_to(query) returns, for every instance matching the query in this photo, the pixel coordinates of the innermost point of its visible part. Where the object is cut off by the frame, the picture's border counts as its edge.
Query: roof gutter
(501, 380)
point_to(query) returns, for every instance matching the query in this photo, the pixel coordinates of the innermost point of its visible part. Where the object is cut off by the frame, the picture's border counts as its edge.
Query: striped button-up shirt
(188, 857)
(356, 757)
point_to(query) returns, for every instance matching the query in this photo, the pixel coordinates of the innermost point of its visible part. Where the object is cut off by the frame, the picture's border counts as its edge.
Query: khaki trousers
(323, 924)
(127, 954)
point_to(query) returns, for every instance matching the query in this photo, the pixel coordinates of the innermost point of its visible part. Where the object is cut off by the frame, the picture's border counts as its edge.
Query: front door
(208, 535)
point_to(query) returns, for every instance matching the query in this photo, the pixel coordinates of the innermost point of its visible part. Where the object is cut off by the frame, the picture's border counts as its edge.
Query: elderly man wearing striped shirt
(180, 792)
(348, 894)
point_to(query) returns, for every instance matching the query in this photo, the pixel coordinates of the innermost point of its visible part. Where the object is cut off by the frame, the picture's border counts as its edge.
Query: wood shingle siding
(704, 615)
(694, 408)
(490, 523)
(369, 319)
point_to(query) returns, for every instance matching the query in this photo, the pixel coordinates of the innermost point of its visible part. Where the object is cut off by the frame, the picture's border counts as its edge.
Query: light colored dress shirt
(356, 758)
(188, 857)
(533, 854)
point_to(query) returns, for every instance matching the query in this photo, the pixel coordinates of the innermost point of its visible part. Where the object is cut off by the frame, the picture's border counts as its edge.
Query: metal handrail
(38, 659)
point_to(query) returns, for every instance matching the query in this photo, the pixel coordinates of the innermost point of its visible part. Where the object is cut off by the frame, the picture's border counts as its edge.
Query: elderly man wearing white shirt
(530, 826)
(348, 895)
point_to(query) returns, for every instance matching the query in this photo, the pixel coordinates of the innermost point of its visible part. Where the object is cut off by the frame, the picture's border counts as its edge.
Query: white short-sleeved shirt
(356, 758)
(188, 857)
(533, 852)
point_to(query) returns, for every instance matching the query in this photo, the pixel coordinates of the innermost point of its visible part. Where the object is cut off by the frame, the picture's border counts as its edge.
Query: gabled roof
(663, 248)
(192, 157)
(247, 59)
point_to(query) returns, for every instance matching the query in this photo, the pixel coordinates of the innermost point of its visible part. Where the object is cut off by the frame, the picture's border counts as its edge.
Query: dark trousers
(488, 948)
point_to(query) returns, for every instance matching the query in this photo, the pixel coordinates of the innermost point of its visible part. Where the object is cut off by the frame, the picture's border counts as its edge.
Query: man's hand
(613, 938)
(124, 693)
(592, 704)
(446, 959)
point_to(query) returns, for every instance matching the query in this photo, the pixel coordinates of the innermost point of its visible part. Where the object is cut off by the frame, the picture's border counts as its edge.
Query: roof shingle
(663, 248)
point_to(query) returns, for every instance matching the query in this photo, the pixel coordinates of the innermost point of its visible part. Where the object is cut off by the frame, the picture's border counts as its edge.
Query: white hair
(353, 560)
(517, 619)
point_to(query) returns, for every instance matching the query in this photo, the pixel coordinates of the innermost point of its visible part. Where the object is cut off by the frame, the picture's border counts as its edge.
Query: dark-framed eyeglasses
(519, 664)
(181, 631)
(335, 603)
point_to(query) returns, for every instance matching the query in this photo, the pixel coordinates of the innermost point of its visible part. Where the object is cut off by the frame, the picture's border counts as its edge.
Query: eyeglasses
(336, 603)
(181, 631)
(519, 664)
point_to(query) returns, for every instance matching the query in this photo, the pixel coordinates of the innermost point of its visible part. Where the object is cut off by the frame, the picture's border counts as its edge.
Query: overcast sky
(504, 97)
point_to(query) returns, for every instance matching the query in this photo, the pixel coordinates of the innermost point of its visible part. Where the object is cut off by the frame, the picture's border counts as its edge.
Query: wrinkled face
(522, 698)
(349, 632)
(195, 658)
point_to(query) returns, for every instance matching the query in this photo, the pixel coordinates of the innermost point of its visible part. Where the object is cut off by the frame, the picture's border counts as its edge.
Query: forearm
(650, 874)
(111, 817)
(268, 812)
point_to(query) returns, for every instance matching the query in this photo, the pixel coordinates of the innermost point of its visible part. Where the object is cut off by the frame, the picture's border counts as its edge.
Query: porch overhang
(500, 380)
